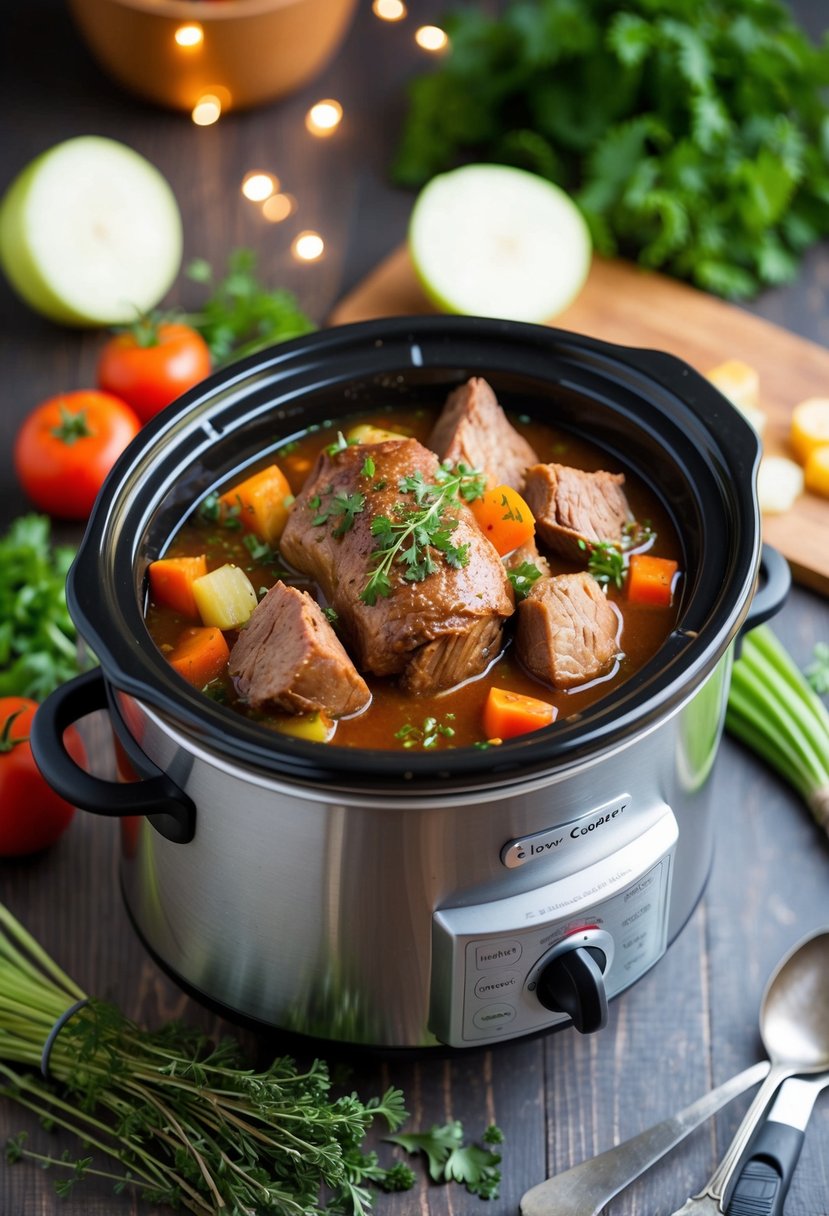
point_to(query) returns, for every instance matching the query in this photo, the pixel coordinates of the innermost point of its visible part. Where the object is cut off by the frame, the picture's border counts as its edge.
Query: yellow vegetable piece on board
(740, 383)
(225, 597)
(262, 502)
(810, 426)
(779, 482)
(817, 471)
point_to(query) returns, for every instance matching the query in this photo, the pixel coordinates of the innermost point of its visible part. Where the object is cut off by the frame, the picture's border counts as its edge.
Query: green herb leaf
(693, 136)
(817, 673)
(242, 315)
(522, 578)
(38, 640)
(450, 1160)
(421, 527)
(605, 562)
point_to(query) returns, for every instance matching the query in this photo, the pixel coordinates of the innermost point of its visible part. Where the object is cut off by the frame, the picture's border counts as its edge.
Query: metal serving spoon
(794, 1027)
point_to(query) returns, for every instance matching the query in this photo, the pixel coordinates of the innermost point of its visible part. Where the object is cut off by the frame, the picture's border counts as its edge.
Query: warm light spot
(389, 10)
(259, 186)
(308, 246)
(324, 117)
(189, 35)
(278, 207)
(207, 110)
(431, 38)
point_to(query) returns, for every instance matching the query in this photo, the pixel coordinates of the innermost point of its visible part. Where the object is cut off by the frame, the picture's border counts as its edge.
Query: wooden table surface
(692, 1021)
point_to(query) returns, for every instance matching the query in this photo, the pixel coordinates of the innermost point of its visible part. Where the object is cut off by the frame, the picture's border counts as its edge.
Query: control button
(497, 983)
(493, 1017)
(493, 955)
(573, 983)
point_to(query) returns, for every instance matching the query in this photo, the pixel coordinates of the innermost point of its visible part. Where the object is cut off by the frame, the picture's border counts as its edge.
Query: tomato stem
(7, 743)
(72, 426)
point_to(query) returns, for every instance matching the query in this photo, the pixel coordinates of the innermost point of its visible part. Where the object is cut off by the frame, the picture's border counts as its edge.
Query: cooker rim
(105, 606)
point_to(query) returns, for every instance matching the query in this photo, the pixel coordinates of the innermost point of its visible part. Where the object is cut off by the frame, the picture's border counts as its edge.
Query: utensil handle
(169, 809)
(764, 1179)
(599, 1179)
(719, 1182)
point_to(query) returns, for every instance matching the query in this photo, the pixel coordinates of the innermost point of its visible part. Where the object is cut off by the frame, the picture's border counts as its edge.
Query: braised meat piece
(473, 429)
(575, 510)
(288, 658)
(434, 629)
(567, 630)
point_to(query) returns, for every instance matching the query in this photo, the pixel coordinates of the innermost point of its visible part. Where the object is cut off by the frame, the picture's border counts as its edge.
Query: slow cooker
(398, 900)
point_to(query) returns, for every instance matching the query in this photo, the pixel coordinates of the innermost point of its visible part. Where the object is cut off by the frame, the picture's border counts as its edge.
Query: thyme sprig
(419, 526)
(169, 1115)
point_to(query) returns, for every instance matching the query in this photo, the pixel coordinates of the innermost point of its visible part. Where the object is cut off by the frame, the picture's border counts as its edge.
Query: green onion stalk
(170, 1115)
(772, 709)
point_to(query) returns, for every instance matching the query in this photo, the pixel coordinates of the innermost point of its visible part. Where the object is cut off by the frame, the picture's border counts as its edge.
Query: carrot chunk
(171, 582)
(504, 518)
(262, 503)
(507, 714)
(650, 580)
(200, 655)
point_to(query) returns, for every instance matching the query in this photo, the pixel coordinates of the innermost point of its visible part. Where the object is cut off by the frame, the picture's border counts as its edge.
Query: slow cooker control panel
(555, 954)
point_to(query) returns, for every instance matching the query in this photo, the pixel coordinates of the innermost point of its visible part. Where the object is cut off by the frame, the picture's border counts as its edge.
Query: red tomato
(32, 815)
(66, 447)
(152, 364)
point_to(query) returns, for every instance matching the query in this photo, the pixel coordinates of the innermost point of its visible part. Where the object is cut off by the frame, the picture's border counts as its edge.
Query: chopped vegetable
(779, 483)
(366, 433)
(316, 727)
(428, 735)
(417, 529)
(200, 655)
(816, 472)
(242, 316)
(507, 714)
(38, 640)
(450, 1160)
(809, 427)
(693, 135)
(650, 580)
(174, 1118)
(171, 582)
(263, 501)
(740, 383)
(225, 597)
(504, 518)
(772, 709)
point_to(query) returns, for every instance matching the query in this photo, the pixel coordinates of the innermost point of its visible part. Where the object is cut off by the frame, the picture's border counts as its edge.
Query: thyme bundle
(164, 1112)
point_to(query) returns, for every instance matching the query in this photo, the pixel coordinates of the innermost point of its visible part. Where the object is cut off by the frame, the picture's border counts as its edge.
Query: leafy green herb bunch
(693, 134)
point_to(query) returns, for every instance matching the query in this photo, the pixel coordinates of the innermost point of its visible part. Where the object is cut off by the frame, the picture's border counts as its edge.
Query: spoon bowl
(794, 1015)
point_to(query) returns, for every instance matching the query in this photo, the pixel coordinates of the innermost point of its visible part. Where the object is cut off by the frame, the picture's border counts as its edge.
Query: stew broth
(395, 719)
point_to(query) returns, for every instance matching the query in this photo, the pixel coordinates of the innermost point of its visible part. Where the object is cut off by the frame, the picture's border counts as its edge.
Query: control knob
(572, 982)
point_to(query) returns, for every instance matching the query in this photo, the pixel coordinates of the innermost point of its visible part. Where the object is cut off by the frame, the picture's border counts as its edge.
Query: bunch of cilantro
(693, 134)
(38, 641)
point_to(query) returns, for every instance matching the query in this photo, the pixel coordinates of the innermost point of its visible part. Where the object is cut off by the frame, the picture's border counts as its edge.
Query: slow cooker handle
(168, 808)
(772, 589)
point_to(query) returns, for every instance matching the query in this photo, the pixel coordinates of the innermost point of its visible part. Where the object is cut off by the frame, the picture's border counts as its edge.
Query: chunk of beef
(289, 658)
(574, 510)
(474, 430)
(567, 630)
(453, 616)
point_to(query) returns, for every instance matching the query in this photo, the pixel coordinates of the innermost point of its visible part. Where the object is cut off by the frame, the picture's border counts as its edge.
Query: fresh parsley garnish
(340, 444)
(38, 640)
(691, 135)
(428, 735)
(450, 1160)
(605, 562)
(213, 511)
(368, 468)
(415, 531)
(331, 615)
(241, 315)
(340, 507)
(522, 578)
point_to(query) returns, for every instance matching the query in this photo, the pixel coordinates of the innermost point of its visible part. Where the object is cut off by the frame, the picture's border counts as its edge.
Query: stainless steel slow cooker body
(393, 899)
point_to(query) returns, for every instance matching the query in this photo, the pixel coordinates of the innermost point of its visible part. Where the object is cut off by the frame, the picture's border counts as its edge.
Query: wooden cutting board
(621, 303)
